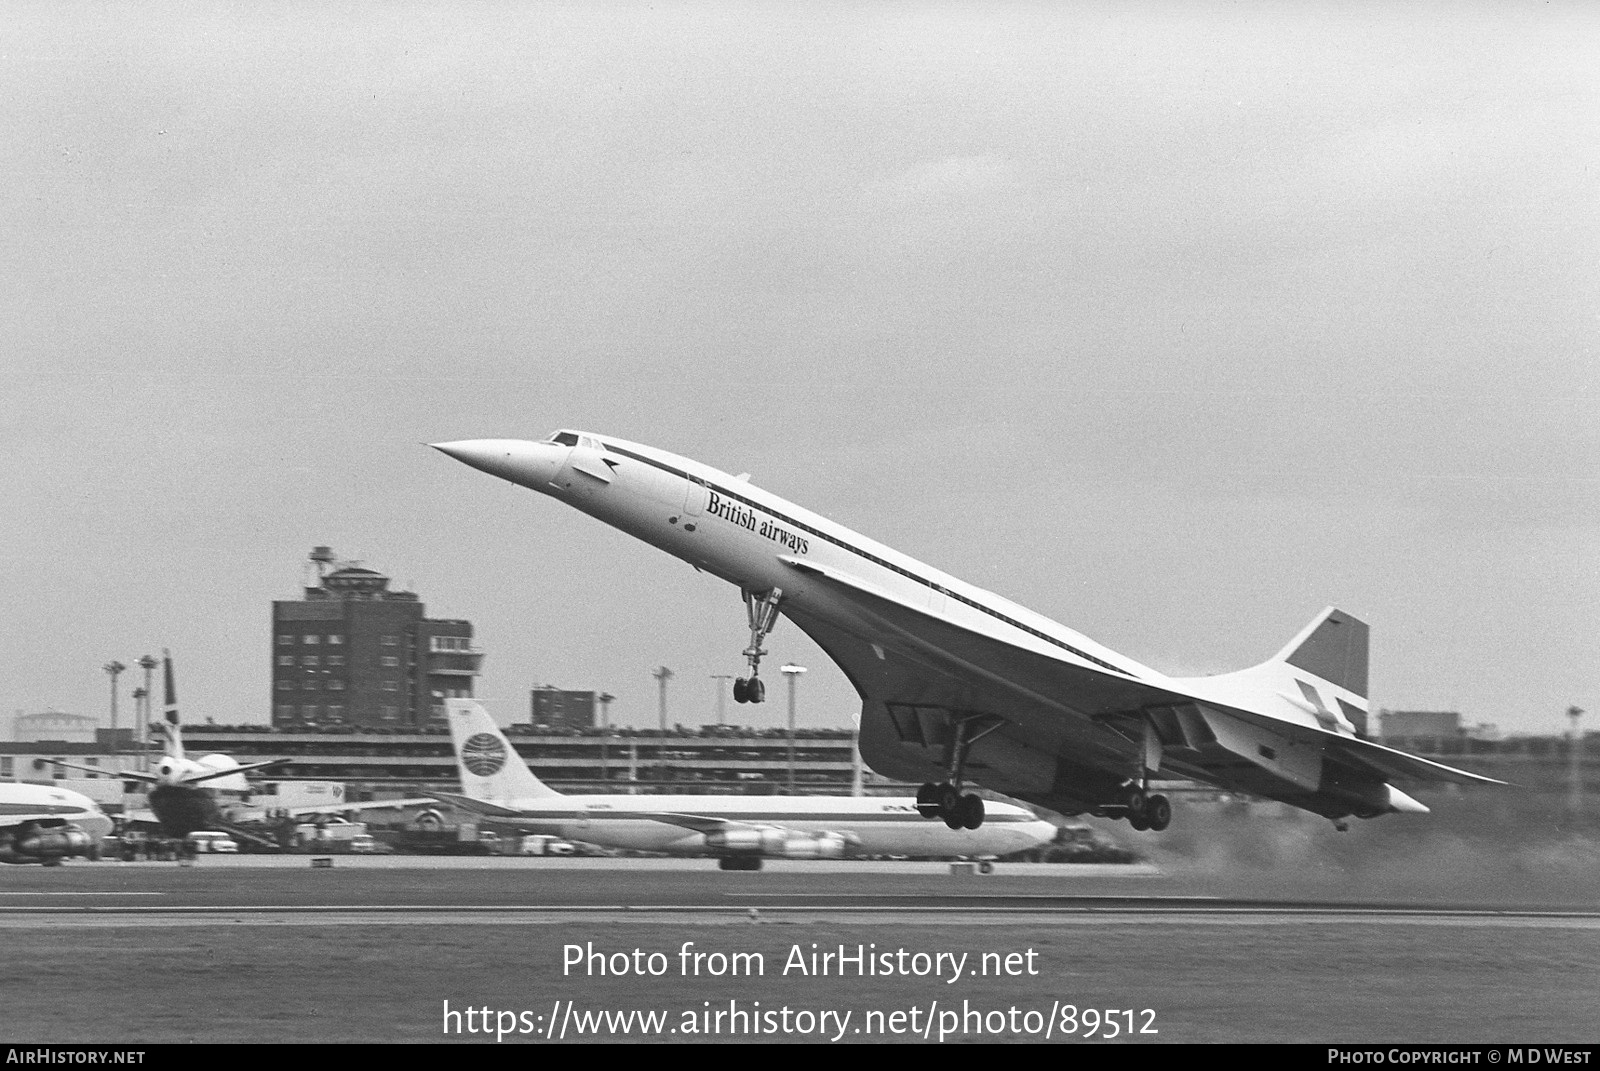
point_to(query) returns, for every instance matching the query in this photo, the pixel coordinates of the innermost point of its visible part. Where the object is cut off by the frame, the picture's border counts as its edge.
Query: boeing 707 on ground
(739, 830)
(45, 824)
(961, 685)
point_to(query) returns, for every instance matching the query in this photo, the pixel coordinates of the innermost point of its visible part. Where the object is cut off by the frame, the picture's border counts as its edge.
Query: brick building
(549, 706)
(354, 653)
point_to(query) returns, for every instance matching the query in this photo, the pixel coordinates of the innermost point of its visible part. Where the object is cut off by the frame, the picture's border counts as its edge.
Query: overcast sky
(1175, 322)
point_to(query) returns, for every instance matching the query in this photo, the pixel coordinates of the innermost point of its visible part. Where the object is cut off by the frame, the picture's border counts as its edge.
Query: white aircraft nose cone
(530, 464)
(479, 453)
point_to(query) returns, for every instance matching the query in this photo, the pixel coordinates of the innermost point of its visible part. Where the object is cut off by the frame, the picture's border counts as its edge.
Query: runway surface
(465, 890)
(385, 949)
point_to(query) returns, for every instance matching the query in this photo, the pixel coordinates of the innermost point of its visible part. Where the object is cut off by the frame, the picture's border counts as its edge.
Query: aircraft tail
(1334, 648)
(1322, 672)
(490, 768)
(169, 706)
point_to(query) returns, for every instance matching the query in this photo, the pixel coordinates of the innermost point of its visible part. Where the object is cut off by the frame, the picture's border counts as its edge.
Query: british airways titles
(748, 519)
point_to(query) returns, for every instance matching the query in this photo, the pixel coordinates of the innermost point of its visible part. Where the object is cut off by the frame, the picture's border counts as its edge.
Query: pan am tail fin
(489, 766)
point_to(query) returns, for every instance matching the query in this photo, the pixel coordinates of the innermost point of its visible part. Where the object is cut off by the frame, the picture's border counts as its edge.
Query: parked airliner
(44, 824)
(958, 683)
(184, 791)
(181, 795)
(739, 830)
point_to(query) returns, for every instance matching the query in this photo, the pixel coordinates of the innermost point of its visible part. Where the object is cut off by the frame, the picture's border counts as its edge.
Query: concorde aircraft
(960, 685)
(739, 830)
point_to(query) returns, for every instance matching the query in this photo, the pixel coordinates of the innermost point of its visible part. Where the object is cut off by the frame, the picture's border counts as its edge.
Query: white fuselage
(22, 806)
(877, 826)
(741, 533)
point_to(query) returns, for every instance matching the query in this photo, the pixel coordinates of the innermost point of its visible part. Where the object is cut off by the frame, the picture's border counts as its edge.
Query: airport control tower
(354, 653)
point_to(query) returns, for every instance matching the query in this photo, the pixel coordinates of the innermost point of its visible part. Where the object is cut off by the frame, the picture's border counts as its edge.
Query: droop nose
(530, 464)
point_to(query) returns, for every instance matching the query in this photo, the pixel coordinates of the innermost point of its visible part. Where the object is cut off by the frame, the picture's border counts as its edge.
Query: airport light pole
(113, 669)
(856, 787)
(662, 675)
(141, 697)
(604, 699)
(1575, 765)
(793, 672)
(148, 663)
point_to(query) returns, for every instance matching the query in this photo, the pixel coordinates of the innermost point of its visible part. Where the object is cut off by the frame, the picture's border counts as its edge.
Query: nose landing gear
(762, 611)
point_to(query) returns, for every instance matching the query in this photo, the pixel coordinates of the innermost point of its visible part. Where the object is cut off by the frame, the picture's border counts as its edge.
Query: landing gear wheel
(986, 867)
(928, 800)
(970, 811)
(949, 799)
(1158, 812)
(1139, 822)
(762, 612)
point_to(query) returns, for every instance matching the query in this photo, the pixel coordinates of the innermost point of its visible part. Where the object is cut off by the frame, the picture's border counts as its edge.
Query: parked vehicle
(203, 841)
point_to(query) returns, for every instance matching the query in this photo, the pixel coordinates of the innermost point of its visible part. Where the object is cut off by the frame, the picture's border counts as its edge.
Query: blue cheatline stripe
(924, 581)
(40, 808)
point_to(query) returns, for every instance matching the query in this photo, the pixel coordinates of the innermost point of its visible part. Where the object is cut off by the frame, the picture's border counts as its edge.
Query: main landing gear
(1142, 809)
(960, 810)
(762, 610)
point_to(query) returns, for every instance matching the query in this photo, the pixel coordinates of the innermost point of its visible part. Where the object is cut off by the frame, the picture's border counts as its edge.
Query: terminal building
(379, 764)
(353, 653)
(560, 709)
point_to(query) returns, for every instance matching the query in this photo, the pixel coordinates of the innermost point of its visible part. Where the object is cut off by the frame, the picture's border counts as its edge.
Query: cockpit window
(565, 438)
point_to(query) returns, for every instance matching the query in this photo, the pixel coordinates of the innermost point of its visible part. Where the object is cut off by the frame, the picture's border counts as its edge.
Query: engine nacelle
(784, 843)
(820, 846)
(35, 845)
(749, 841)
(1367, 798)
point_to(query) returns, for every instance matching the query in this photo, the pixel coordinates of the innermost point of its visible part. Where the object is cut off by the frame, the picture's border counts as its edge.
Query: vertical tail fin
(169, 723)
(490, 768)
(1321, 672)
(1333, 647)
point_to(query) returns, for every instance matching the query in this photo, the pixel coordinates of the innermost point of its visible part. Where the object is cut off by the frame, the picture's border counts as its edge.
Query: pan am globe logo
(483, 754)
